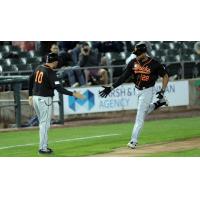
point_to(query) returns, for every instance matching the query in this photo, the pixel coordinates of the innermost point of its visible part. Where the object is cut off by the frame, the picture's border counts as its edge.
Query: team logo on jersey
(88, 101)
(138, 69)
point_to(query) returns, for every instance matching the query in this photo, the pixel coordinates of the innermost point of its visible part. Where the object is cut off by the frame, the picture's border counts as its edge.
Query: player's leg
(45, 106)
(71, 77)
(152, 106)
(35, 106)
(157, 104)
(144, 101)
(80, 76)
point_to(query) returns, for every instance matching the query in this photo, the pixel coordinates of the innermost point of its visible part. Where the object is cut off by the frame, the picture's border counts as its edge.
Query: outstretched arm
(122, 79)
(62, 90)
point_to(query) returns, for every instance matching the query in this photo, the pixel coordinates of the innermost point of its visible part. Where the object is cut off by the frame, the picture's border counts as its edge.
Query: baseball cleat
(132, 145)
(164, 101)
(161, 102)
(46, 151)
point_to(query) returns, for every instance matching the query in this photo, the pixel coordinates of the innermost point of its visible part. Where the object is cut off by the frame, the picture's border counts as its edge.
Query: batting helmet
(140, 48)
(52, 57)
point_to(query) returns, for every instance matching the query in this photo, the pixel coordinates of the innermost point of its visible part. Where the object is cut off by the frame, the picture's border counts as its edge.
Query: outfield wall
(121, 99)
(180, 94)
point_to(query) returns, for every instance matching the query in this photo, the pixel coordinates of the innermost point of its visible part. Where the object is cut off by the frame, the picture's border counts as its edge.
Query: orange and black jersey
(144, 74)
(43, 81)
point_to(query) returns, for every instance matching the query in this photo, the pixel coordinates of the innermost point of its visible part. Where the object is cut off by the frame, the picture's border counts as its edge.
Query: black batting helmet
(52, 57)
(140, 48)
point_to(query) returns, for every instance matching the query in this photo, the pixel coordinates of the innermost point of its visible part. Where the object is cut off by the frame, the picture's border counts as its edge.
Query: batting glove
(106, 91)
(160, 94)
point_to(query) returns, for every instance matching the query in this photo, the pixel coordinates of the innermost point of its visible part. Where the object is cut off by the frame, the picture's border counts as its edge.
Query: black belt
(142, 88)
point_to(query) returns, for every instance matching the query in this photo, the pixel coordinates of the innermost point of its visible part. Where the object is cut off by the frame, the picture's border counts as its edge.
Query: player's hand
(78, 95)
(160, 94)
(30, 100)
(106, 91)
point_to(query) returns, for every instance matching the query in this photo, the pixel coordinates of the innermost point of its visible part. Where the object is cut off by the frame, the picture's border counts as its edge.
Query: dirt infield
(144, 150)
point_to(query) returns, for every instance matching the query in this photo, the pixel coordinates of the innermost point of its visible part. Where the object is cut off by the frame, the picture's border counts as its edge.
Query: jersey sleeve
(126, 74)
(55, 84)
(162, 70)
(53, 80)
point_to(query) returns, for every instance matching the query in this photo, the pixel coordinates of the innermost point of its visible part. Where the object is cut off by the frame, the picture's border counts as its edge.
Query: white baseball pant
(43, 109)
(145, 106)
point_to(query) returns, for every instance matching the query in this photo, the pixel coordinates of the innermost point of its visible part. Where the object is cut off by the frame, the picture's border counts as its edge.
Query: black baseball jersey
(144, 74)
(43, 81)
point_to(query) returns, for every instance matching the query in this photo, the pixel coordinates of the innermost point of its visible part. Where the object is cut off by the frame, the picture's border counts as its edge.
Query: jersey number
(144, 77)
(39, 77)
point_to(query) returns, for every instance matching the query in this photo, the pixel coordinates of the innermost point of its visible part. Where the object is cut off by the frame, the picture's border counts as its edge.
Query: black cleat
(47, 151)
(161, 102)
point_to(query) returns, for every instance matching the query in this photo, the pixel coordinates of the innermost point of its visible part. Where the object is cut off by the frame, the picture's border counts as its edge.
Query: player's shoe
(132, 145)
(161, 102)
(45, 151)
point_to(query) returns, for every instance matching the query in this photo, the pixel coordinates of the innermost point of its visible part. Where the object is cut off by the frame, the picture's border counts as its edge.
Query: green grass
(153, 132)
(185, 153)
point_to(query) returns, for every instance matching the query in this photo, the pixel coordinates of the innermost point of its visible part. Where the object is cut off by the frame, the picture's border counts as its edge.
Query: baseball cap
(52, 57)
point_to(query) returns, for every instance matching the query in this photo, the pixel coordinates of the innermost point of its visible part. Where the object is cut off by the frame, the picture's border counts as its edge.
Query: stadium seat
(172, 52)
(153, 53)
(12, 61)
(197, 70)
(158, 58)
(174, 69)
(1, 70)
(33, 60)
(24, 54)
(186, 54)
(157, 46)
(194, 58)
(23, 61)
(10, 70)
(165, 45)
(171, 55)
(25, 69)
(33, 53)
(172, 59)
(10, 48)
(116, 59)
(189, 68)
(3, 49)
(2, 62)
(177, 45)
(189, 45)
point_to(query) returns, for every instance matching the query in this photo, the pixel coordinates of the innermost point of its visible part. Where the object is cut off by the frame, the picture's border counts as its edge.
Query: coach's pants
(145, 106)
(43, 109)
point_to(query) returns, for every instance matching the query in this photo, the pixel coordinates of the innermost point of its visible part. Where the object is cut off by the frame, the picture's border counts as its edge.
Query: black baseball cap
(140, 48)
(52, 57)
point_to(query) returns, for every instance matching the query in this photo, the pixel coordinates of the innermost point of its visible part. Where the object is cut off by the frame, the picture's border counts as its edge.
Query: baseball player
(42, 83)
(145, 71)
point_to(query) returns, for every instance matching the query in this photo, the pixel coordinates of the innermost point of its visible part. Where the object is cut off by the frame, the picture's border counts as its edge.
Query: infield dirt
(144, 150)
